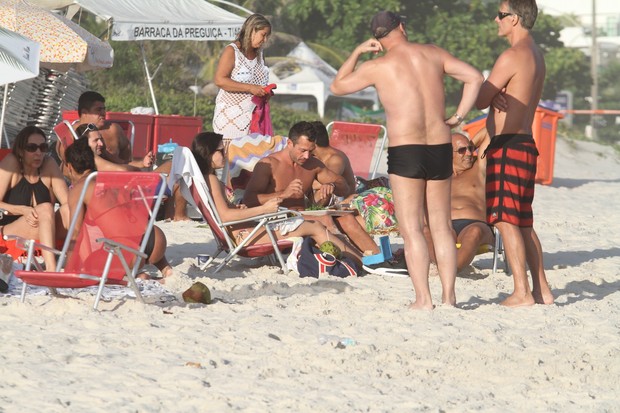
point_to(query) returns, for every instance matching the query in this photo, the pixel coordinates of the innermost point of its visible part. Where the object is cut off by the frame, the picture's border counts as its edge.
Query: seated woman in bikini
(30, 184)
(207, 148)
(80, 160)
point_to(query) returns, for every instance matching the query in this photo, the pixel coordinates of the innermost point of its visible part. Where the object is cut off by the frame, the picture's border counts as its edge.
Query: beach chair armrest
(113, 243)
(24, 243)
(271, 217)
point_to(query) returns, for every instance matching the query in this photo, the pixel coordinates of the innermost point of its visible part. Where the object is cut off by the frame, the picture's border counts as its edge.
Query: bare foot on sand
(166, 273)
(181, 218)
(520, 300)
(420, 306)
(450, 300)
(544, 296)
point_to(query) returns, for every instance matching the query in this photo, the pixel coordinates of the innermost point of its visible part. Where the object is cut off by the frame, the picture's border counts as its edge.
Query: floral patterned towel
(377, 207)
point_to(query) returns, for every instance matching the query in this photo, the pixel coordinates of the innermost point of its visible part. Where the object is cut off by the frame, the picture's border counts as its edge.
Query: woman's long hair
(251, 25)
(21, 140)
(204, 146)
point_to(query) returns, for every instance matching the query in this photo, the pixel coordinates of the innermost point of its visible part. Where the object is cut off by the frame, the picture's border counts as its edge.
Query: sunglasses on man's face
(502, 15)
(32, 147)
(463, 149)
(89, 128)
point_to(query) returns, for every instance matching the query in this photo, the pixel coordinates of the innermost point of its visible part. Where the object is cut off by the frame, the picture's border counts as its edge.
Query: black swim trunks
(428, 162)
(460, 224)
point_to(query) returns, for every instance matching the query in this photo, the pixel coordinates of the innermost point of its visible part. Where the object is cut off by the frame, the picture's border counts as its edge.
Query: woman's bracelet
(458, 117)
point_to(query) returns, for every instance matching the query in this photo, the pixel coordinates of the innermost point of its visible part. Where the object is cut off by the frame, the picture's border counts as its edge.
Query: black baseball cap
(384, 22)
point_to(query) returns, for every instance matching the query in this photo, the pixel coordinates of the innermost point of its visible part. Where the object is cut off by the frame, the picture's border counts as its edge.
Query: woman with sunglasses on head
(30, 184)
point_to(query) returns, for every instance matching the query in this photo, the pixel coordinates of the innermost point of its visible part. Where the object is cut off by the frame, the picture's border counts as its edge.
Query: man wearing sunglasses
(513, 90)
(467, 199)
(409, 78)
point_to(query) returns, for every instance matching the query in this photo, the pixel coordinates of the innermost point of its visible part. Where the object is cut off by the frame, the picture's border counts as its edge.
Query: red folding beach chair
(110, 245)
(359, 142)
(185, 171)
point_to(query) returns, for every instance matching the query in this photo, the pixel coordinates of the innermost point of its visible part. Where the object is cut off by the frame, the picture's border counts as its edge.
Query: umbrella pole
(149, 78)
(2, 131)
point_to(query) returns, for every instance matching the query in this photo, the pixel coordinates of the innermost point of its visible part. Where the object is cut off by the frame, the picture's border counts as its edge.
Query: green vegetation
(466, 28)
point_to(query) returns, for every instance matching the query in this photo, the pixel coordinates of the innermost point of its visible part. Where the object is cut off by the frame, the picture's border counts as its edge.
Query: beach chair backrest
(359, 142)
(121, 207)
(219, 234)
(196, 191)
(65, 132)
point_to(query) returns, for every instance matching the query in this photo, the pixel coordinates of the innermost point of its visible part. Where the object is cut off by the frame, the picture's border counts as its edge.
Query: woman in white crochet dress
(241, 73)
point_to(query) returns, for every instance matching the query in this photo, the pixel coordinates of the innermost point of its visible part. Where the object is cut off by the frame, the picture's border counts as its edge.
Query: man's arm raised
(348, 79)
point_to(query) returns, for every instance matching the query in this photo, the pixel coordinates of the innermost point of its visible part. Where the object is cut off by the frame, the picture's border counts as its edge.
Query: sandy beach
(270, 342)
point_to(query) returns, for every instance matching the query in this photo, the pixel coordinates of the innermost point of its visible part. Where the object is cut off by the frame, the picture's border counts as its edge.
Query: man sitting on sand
(289, 175)
(467, 197)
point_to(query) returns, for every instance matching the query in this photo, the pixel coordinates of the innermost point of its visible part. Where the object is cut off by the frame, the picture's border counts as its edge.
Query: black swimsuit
(22, 194)
(428, 162)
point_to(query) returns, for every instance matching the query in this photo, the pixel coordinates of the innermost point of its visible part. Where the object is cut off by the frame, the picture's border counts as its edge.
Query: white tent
(132, 20)
(304, 73)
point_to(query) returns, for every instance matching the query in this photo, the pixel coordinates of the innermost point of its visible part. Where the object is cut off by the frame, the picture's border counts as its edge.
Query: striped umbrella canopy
(64, 44)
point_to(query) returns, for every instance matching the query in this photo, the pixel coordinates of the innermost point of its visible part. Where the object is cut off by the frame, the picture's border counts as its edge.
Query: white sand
(257, 347)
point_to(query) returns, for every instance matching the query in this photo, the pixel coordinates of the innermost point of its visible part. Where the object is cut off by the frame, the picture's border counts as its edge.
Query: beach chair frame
(196, 192)
(142, 188)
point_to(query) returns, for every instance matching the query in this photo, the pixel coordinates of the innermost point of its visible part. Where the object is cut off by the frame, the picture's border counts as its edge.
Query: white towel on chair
(185, 171)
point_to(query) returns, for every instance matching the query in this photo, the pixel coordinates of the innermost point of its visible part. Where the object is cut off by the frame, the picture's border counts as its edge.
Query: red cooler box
(179, 129)
(544, 130)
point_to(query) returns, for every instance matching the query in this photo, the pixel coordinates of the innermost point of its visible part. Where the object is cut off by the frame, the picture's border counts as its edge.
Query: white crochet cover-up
(233, 110)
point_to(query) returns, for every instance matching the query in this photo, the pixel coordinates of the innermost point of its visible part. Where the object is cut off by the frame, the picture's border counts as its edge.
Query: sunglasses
(32, 147)
(89, 128)
(463, 149)
(501, 15)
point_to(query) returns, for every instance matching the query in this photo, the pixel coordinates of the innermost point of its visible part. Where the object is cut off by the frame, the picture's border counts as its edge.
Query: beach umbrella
(19, 60)
(19, 57)
(64, 44)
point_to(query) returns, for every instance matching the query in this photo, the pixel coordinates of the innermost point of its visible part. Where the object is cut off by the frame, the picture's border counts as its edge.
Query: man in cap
(409, 80)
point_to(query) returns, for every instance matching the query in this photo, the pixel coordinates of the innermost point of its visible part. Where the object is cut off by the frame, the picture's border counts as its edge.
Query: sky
(581, 8)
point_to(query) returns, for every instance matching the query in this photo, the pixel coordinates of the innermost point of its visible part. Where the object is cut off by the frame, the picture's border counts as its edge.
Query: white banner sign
(136, 31)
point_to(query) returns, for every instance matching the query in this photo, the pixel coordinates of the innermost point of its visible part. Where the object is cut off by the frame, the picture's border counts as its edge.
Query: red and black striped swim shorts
(511, 169)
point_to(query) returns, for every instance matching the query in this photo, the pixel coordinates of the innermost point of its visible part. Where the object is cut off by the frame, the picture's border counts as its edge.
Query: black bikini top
(22, 193)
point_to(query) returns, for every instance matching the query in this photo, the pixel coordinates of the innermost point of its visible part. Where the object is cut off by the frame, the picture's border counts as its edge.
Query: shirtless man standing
(513, 89)
(409, 80)
(468, 199)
